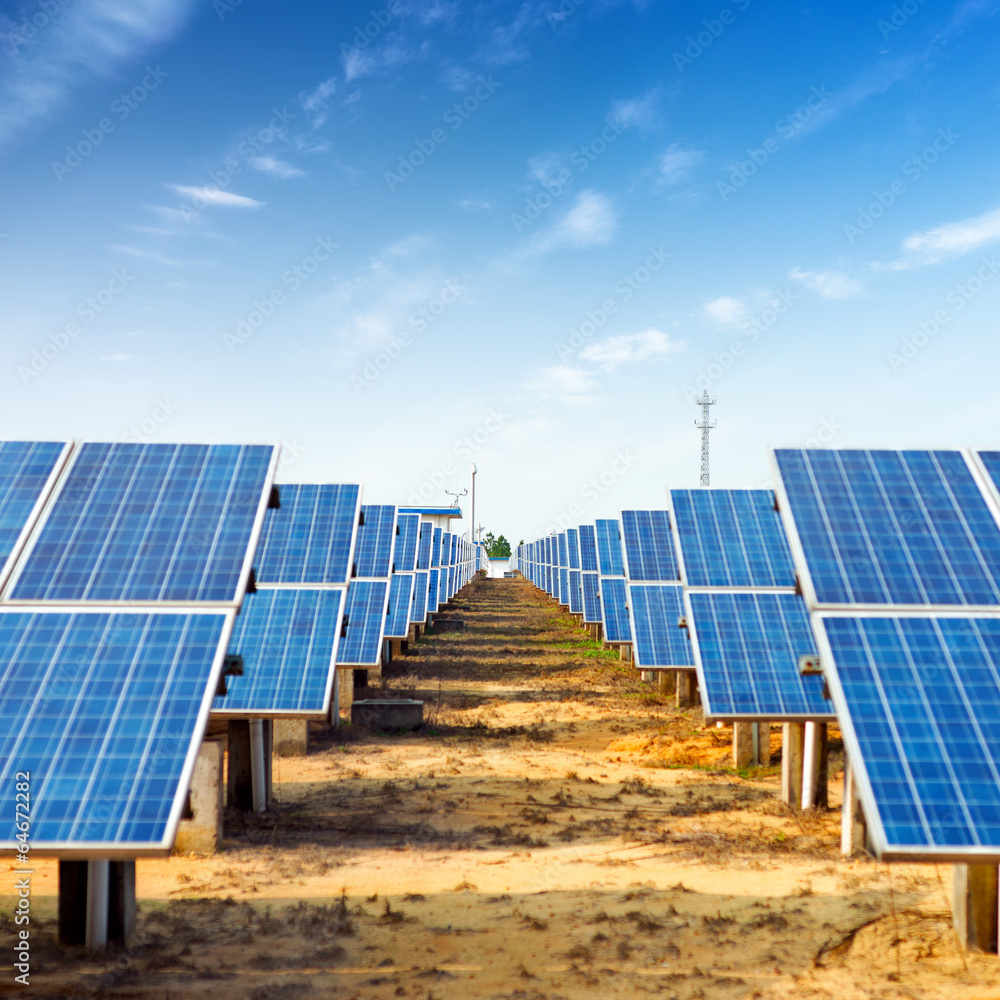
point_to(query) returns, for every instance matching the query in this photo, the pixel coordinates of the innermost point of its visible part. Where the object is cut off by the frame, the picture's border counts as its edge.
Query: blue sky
(403, 237)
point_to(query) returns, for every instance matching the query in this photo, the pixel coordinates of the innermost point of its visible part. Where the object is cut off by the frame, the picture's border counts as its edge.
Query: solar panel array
(124, 567)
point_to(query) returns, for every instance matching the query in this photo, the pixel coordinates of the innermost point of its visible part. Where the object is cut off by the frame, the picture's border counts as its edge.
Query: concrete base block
(291, 737)
(975, 906)
(853, 830)
(742, 744)
(687, 688)
(625, 652)
(792, 746)
(666, 682)
(385, 714)
(345, 684)
(202, 832)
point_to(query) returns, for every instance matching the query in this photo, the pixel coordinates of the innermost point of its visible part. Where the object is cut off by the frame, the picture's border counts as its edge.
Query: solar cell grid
(149, 523)
(400, 601)
(659, 642)
(563, 595)
(731, 538)
(433, 577)
(649, 545)
(310, 537)
(588, 548)
(748, 649)
(590, 583)
(573, 547)
(106, 710)
(609, 548)
(406, 542)
(882, 527)
(419, 610)
(575, 593)
(365, 610)
(562, 550)
(436, 549)
(424, 545)
(376, 542)
(287, 638)
(614, 604)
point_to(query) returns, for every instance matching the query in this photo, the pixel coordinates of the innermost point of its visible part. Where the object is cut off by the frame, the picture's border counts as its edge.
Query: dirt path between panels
(556, 831)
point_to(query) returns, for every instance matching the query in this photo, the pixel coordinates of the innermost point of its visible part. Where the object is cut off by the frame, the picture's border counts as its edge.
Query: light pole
(472, 521)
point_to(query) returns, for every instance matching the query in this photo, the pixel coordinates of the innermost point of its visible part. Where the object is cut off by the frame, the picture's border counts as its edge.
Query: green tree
(496, 548)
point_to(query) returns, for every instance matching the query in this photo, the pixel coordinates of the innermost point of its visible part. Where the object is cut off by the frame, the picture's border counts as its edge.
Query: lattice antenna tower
(704, 425)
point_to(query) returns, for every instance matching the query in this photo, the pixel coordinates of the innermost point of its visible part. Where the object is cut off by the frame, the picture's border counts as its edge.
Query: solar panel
(918, 700)
(397, 625)
(591, 586)
(310, 537)
(424, 545)
(436, 549)
(891, 527)
(731, 538)
(106, 711)
(649, 545)
(588, 548)
(406, 542)
(575, 593)
(149, 523)
(433, 577)
(288, 640)
(562, 550)
(563, 595)
(609, 548)
(28, 471)
(418, 613)
(376, 541)
(614, 602)
(659, 642)
(365, 611)
(747, 649)
(573, 547)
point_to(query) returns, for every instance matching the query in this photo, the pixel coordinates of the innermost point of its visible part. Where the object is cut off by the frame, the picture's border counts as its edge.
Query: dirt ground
(556, 832)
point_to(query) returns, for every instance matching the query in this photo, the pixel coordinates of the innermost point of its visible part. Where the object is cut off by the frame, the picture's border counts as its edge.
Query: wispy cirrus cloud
(725, 311)
(214, 197)
(829, 284)
(275, 168)
(592, 220)
(75, 45)
(950, 239)
(563, 384)
(630, 348)
(676, 162)
(641, 113)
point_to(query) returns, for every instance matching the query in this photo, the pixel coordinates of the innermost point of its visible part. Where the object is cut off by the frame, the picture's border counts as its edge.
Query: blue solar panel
(418, 612)
(433, 577)
(563, 596)
(731, 538)
(436, 549)
(397, 625)
(406, 542)
(892, 527)
(424, 545)
(748, 649)
(308, 539)
(609, 548)
(376, 542)
(614, 602)
(575, 593)
(649, 545)
(27, 474)
(918, 699)
(562, 550)
(588, 548)
(659, 642)
(365, 611)
(287, 638)
(153, 523)
(573, 547)
(106, 711)
(590, 583)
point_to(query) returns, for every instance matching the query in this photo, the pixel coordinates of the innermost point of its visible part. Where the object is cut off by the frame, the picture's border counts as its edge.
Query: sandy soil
(556, 831)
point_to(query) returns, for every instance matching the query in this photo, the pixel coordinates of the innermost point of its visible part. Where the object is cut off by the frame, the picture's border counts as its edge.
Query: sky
(401, 238)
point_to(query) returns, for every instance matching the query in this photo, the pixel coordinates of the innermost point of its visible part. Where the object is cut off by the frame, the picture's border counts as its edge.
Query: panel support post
(974, 905)
(73, 902)
(345, 681)
(291, 737)
(743, 744)
(239, 780)
(259, 763)
(686, 687)
(792, 739)
(625, 652)
(97, 905)
(667, 680)
(853, 832)
(121, 901)
(762, 744)
(202, 833)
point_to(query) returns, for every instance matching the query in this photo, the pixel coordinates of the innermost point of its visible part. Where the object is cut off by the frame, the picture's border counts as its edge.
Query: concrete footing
(291, 737)
(853, 829)
(388, 714)
(793, 736)
(687, 688)
(201, 832)
(345, 688)
(666, 682)
(625, 652)
(975, 906)
(751, 744)
(96, 903)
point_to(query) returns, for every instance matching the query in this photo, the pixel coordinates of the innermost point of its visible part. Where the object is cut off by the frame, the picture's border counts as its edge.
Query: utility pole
(704, 426)
(472, 519)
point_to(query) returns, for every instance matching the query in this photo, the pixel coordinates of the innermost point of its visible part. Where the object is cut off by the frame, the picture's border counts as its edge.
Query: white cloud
(366, 62)
(950, 239)
(276, 168)
(73, 45)
(630, 348)
(591, 221)
(564, 383)
(638, 112)
(159, 258)
(724, 311)
(676, 161)
(213, 196)
(315, 102)
(829, 284)
(474, 204)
